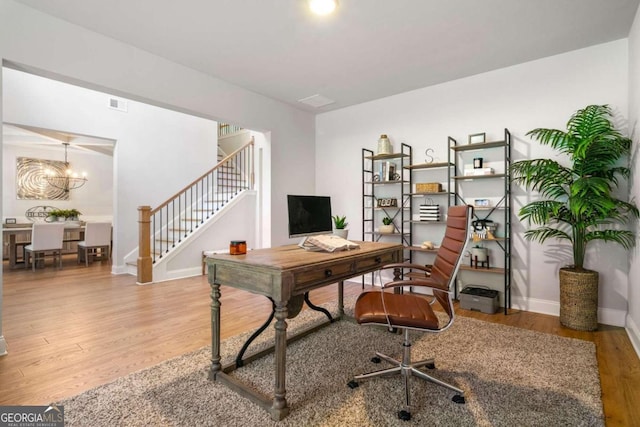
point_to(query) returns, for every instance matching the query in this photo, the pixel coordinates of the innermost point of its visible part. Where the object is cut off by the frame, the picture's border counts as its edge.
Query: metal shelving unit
(501, 208)
(375, 188)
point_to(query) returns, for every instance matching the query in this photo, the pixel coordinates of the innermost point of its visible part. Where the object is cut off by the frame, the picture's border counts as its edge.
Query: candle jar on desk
(238, 247)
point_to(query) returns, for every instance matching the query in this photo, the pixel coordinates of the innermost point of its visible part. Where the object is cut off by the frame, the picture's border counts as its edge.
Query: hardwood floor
(72, 329)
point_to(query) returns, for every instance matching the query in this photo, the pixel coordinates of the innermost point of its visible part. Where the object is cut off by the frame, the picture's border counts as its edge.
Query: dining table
(74, 232)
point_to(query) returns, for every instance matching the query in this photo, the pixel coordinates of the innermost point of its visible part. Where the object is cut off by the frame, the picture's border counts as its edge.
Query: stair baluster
(207, 194)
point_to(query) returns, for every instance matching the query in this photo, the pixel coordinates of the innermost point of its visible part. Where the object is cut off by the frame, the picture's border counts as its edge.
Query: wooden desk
(13, 232)
(282, 274)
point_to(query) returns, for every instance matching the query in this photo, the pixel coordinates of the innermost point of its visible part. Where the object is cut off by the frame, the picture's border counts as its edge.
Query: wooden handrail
(203, 176)
(160, 229)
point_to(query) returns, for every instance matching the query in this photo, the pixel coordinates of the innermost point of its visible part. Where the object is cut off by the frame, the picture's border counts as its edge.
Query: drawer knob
(378, 260)
(328, 272)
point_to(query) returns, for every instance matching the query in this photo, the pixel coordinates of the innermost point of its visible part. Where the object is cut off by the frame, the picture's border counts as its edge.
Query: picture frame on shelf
(477, 138)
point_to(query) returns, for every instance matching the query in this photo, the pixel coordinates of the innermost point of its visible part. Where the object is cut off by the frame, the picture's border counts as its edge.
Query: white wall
(3, 342)
(48, 46)
(79, 56)
(236, 222)
(157, 151)
(94, 199)
(633, 319)
(541, 93)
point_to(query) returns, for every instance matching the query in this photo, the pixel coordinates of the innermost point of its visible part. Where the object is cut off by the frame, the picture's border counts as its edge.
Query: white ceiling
(367, 50)
(13, 134)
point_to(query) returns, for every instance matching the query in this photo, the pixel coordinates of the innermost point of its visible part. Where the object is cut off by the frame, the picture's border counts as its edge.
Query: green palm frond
(555, 138)
(543, 212)
(546, 176)
(543, 233)
(623, 237)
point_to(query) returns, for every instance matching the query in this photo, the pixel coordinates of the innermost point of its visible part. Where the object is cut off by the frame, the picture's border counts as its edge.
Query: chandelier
(69, 180)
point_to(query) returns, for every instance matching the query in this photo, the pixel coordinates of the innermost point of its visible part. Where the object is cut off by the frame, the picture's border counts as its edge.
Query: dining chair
(97, 240)
(45, 238)
(409, 311)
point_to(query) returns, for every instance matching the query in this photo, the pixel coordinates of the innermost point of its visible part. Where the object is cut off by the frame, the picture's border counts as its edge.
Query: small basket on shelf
(428, 187)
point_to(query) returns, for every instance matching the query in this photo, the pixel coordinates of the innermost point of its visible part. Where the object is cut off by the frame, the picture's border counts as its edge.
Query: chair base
(93, 253)
(37, 258)
(407, 369)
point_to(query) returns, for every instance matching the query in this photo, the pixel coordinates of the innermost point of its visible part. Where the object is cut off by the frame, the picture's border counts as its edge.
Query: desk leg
(279, 408)
(215, 331)
(12, 251)
(340, 299)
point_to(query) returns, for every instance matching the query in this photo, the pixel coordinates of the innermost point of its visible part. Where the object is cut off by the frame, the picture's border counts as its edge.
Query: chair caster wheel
(430, 366)
(376, 359)
(458, 399)
(353, 384)
(404, 415)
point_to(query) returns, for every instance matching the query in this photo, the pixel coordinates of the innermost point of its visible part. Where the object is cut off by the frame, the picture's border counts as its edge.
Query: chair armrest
(428, 283)
(412, 266)
(420, 268)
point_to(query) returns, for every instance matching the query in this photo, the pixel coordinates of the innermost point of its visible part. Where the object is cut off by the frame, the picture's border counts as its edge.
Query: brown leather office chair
(409, 311)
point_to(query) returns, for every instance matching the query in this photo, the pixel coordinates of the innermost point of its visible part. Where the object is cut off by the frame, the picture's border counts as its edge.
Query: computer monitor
(309, 216)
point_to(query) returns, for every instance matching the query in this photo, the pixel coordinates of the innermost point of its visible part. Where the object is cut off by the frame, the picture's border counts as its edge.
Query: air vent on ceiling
(118, 104)
(316, 101)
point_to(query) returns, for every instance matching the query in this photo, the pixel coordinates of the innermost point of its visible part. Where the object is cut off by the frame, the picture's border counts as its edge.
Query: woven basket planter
(579, 299)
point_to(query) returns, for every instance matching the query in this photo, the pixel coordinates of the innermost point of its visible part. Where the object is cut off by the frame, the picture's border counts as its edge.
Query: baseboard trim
(606, 316)
(634, 334)
(3, 346)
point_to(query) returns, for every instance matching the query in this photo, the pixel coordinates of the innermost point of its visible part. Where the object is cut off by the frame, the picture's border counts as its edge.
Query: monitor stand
(308, 246)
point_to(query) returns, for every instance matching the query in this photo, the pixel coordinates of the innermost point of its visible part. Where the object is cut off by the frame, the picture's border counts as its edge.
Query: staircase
(171, 224)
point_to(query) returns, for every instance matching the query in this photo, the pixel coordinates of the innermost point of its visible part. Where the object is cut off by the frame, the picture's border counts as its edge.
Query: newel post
(145, 264)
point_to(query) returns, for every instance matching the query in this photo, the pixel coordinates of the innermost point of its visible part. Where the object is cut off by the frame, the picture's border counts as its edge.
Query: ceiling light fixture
(323, 7)
(70, 180)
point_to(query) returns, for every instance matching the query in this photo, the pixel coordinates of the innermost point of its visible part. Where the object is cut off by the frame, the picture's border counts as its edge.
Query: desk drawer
(375, 262)
(317, 275)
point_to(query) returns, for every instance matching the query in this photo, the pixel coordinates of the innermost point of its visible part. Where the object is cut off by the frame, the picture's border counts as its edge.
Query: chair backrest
(47, 236)
(451, 251)
(97, 234)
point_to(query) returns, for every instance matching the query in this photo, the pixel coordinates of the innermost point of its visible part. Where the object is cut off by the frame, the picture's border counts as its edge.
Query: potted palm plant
(340, 226)
(578, 203)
